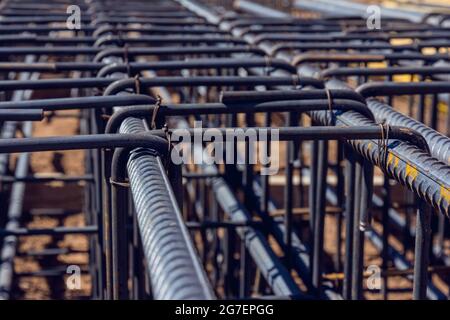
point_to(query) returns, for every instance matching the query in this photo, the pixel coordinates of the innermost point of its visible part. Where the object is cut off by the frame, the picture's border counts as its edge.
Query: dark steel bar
(367, 57)
(236, 97)
(49, 231)
(350, 182)
(422, 249)
(21, 115)
(92, 141)
(146, 83)
(207, 63)
(219, 108)
(46, 178)
(101, 53)
(78, 103)
(401, 88)
(426, 70)
(170, 50)
(319, 215)
(318, 133)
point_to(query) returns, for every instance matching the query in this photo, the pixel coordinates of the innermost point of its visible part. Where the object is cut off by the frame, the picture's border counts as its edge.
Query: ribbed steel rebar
(429, 187)
(175, 271)
(273, 271)
(276, 275)
(438, 143)
(428, 177)
(14, 214)
(9, 244)
(174, 268)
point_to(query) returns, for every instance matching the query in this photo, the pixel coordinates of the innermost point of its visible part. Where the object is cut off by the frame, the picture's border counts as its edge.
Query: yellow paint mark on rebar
(392, 159)
(411, 172)
(445, 195)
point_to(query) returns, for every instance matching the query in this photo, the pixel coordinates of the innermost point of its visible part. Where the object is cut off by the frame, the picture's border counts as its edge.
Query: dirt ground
(55, 195)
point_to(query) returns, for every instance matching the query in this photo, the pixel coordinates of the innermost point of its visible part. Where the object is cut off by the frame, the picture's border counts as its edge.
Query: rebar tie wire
(137, 81)
(123, 184)
(295, 81)
(268, 67)
(155, 111)
(330, 106)
(165, 127)
(126, 58)
(383, 149)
